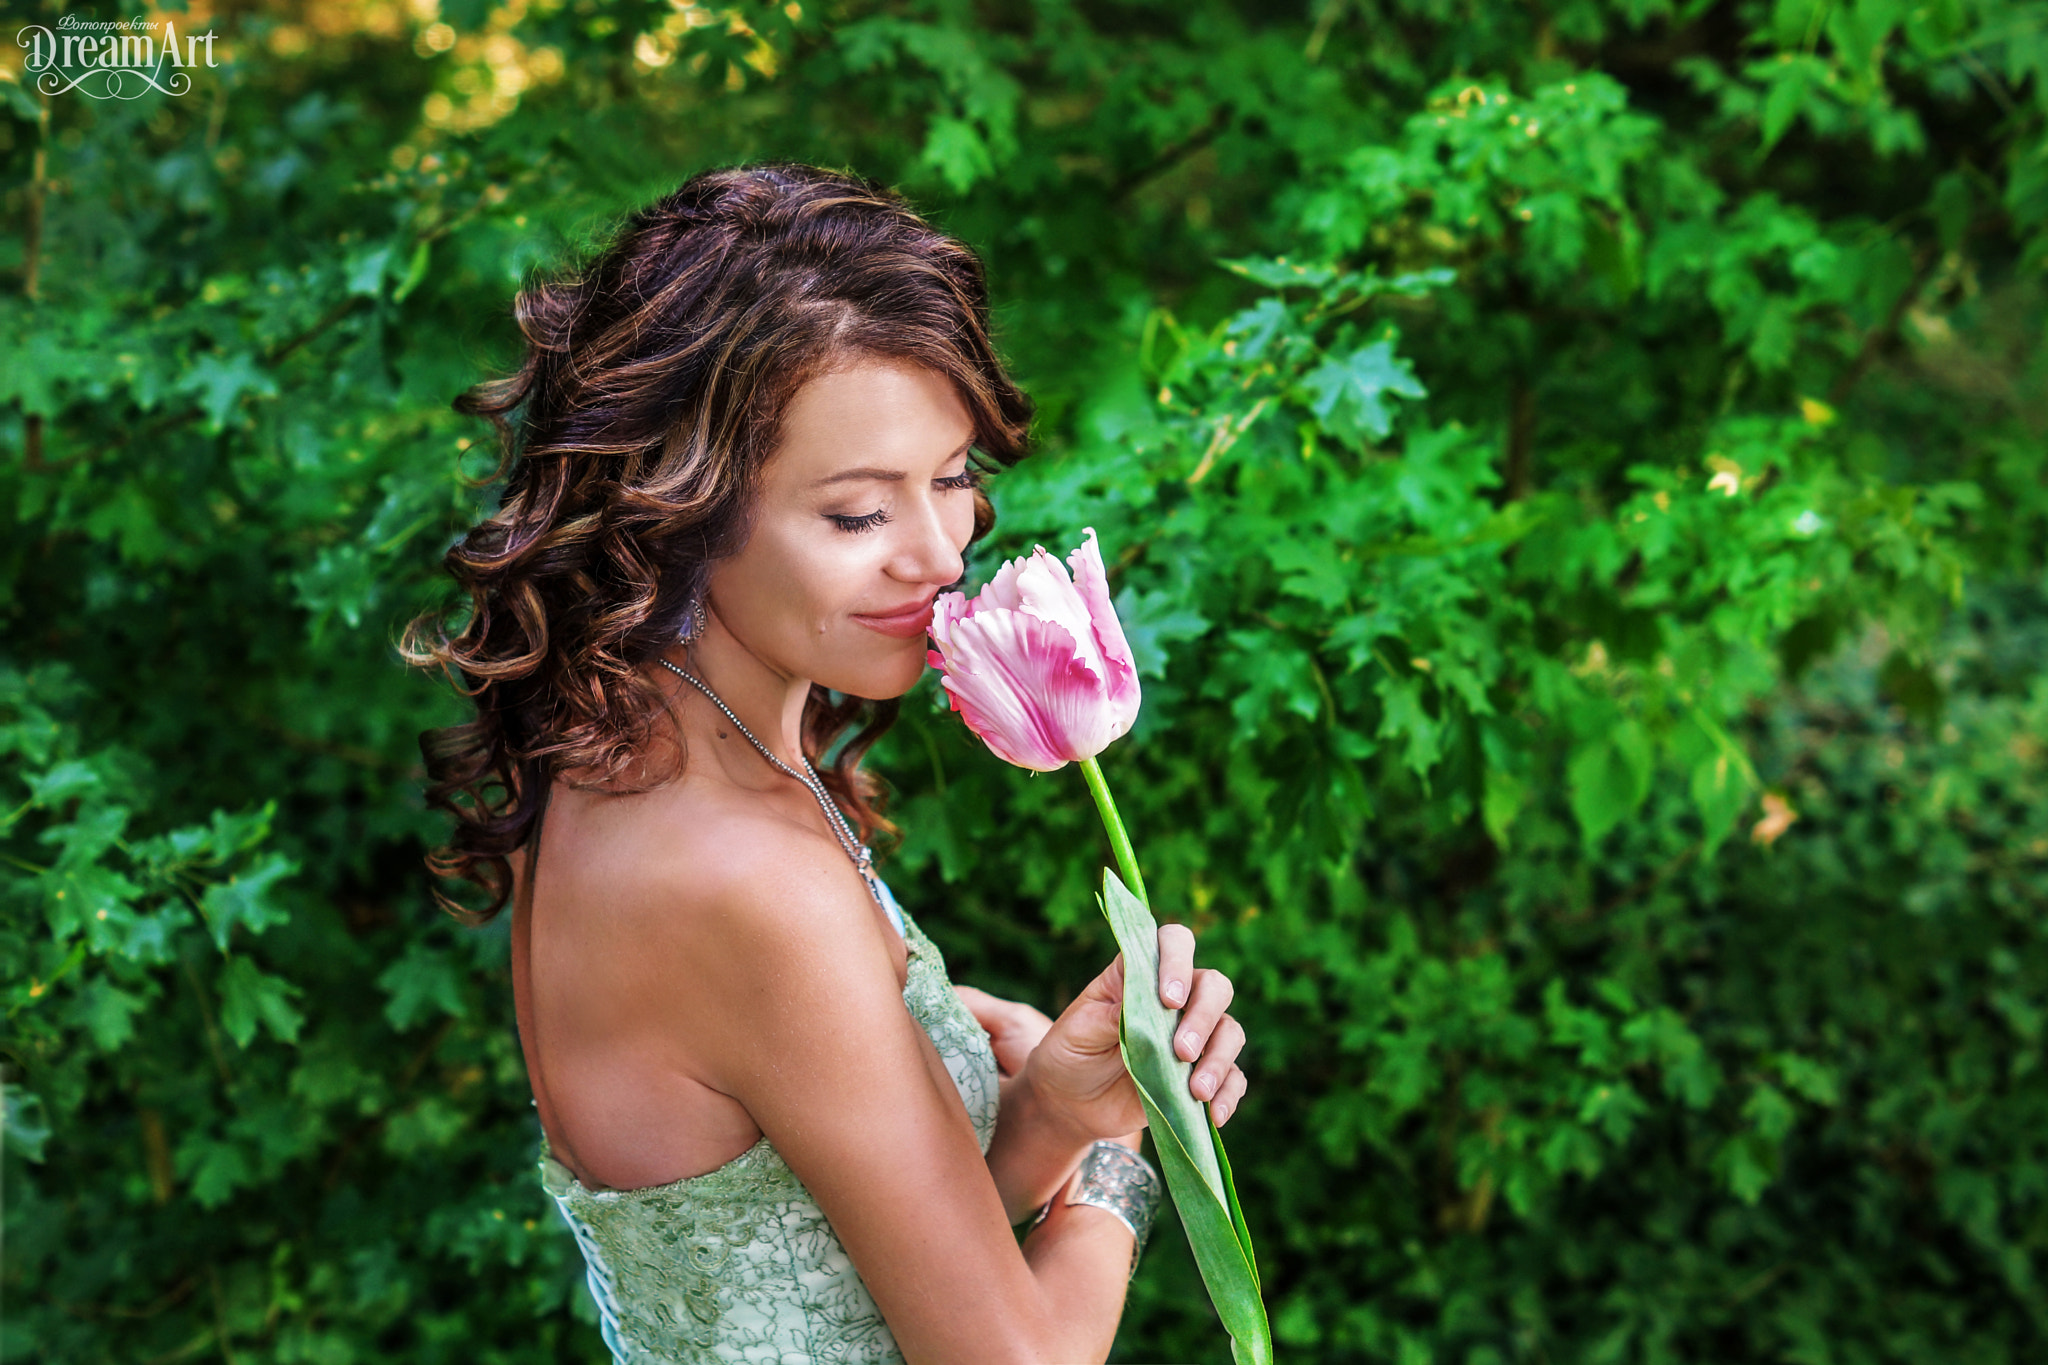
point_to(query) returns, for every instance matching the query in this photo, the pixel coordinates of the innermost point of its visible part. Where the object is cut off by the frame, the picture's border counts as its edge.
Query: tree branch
(1186, 147)
(1878, 338)
(1521, 436)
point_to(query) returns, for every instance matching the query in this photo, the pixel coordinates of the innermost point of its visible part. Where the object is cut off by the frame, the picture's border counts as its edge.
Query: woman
(744, 465)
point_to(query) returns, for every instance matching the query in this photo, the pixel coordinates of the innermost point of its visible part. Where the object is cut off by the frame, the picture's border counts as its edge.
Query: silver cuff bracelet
(1115, 1178)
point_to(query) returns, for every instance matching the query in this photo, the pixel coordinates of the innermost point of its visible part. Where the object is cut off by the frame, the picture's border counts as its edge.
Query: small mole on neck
(723, 735)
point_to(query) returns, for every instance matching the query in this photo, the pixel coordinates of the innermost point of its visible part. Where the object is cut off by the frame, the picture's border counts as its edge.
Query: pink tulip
(1038, 666)
(1037, 663)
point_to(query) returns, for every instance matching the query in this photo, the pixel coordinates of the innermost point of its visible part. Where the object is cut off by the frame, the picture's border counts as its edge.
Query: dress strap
(888, 899)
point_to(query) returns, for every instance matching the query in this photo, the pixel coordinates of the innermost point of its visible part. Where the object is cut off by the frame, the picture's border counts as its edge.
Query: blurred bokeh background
(1573, 470)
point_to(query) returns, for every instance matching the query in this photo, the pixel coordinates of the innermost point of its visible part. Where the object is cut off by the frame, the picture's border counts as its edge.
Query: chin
(882, 679)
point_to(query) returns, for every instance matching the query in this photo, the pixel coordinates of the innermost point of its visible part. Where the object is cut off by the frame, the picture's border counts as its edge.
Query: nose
(927, 551)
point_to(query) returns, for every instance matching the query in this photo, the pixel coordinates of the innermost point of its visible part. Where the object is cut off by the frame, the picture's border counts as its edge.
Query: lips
(904, 623)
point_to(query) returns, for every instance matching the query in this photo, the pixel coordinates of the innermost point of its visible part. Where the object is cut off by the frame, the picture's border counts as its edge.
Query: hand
(1079, 1071)
(1014, 1028)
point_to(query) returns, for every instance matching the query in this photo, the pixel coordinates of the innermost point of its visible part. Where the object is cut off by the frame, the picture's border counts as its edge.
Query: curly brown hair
(653, 387)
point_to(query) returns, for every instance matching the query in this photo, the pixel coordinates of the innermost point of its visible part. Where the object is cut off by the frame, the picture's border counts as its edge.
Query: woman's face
(860, 520)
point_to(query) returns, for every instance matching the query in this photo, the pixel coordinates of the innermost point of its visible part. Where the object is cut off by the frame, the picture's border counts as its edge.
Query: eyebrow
(870, 473)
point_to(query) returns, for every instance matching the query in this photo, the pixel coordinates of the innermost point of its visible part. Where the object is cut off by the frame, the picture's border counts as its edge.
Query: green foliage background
(1573, 472)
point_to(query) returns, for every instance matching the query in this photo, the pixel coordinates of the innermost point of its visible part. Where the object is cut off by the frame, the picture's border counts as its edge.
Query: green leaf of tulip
(1184, 1134)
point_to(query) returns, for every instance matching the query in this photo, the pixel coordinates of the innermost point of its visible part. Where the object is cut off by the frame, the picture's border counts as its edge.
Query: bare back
(623, 1100)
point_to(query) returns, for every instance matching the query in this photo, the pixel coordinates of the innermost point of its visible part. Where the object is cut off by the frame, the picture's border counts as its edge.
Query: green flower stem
(1120, 841)
(1184, 1135)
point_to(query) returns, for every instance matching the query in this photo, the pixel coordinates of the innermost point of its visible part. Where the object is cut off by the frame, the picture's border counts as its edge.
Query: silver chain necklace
(863, 861)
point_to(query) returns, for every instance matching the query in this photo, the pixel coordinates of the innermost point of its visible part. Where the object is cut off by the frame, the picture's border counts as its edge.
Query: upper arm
(800, 1018)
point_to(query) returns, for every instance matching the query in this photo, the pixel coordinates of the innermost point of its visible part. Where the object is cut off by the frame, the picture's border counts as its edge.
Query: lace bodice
(740, 1264)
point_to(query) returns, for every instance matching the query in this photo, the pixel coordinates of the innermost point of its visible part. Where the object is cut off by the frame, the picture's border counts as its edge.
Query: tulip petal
(1020, 683)
(1045, 591)
(1037, 663)
(1001, 590)
(947, 608)
(1091, 582)
(986, 696)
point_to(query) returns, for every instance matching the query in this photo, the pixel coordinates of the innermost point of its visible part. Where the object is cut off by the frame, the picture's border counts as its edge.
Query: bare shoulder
(788, 914)
(704, 865)
(728, 900)
(654, 853)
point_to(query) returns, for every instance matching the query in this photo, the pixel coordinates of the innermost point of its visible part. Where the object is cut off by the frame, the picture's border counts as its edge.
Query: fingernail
(1205, 1086)
(1176, 991)
(1190, 1044)
(1222, 1111)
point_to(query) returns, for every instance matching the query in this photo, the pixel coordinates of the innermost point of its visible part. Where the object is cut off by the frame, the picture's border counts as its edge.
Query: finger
(1225, 1103)
(989, 1011)
(1211, 997)
(1014, 1028)
(1226, 1040)
(996, 1013)
(977, 1002)
(1029, 1019)
(1026, 1027)
(1011, 1049)
(1176, 963)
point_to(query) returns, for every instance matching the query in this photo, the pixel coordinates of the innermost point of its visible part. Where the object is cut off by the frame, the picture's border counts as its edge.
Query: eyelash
(868, 521)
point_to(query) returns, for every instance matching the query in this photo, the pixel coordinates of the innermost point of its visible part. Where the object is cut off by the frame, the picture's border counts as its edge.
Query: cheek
(774, 582)
(842, 568)
(817, 576)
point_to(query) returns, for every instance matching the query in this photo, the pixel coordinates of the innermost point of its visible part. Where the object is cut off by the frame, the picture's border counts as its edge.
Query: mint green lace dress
(739, 1264)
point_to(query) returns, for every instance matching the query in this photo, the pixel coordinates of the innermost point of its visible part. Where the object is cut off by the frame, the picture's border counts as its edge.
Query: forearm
(1081, 1258)
(1035, 1149)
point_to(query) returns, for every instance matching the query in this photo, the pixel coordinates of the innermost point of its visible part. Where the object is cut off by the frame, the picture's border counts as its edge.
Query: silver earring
(695, 628)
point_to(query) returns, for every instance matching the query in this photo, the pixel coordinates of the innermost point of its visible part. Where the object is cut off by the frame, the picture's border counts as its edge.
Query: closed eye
(964, 481)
